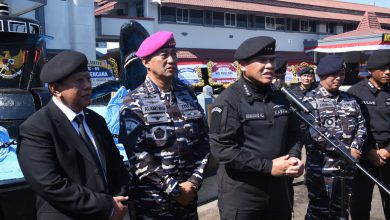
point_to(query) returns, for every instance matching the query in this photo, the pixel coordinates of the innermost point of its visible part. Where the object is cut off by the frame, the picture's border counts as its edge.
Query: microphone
(293, 98)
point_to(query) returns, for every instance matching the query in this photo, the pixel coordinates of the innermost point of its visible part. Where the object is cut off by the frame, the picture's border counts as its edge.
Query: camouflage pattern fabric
(165, 137)
(340, 119)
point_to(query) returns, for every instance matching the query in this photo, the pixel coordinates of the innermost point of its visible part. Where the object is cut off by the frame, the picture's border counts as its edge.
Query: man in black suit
(67, 154)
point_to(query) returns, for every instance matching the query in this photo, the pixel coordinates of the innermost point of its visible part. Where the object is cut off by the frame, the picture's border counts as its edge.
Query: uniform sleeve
(224, 129)
(39, 164)
(141, 159)
(202, 152)
(361, 132)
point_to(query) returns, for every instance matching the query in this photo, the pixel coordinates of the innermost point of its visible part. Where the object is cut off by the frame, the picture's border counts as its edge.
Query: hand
(383, 154)
(374, 158)
(188, 193)
(296, 169)
(120, 210)
(280, 165)
(355, 153)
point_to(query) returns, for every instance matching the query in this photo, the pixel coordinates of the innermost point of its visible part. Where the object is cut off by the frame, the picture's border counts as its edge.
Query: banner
(191, 74)
(223, 74)
(100, 71)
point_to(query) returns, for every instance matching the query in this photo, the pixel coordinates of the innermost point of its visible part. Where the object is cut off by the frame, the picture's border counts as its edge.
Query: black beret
(63, 65)
(306, 70)
(378, 59)
(280, 65)
(330, 64)
(254, 47)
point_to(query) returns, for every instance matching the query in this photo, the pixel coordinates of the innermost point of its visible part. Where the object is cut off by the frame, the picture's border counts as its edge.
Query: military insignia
(192, 114)
(186, 106)
(11, 65)
(255, 116)
(329, 122)
(159, 133)
(216, 119)
(154, 108)
(369, 102)
(281, 112)
(157, 118)
(387, 101)
(216, 109)
(183, 97)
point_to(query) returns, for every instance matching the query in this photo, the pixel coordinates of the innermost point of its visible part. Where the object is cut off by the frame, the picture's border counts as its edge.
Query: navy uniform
(375, 104)
(165, 137)
(339, 118)
(244, 121)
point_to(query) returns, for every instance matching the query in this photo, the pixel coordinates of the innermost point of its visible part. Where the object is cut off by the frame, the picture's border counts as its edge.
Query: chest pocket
(160, 131)
(327, 111)
(191, 115)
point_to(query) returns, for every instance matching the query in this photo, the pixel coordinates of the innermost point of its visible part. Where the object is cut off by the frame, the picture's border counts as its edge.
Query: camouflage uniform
(340, 119)
(166, 140)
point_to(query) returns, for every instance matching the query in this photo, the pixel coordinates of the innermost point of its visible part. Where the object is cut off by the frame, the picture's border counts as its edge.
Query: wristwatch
(176, 191)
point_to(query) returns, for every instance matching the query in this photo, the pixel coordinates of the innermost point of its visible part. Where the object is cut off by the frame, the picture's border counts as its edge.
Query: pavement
(208, 209)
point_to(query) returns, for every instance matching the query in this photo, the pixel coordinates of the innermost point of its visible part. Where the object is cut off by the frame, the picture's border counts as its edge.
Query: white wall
(57, 24)
(112, 26)
(72, 24)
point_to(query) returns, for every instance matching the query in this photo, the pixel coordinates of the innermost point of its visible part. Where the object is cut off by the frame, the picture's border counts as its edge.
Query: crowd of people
(70, 160)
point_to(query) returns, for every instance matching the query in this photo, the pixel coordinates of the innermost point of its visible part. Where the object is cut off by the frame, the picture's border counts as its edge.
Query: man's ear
(146, 62)
(53, 88)
(242, 66)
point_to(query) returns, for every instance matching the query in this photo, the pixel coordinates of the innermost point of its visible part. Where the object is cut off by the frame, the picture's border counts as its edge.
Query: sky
(382, 3)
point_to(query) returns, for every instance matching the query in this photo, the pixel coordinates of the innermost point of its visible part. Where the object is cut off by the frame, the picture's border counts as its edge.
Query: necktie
(87, 141)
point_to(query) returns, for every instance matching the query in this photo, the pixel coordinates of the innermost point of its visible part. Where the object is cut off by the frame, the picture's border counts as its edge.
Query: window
(259, 22)
(196, 17)
(182, 15)
(280, 24)
(230, 19)
(386, 27)
(305, 26)
(168, 14)
(17, 26)
(34, 29)
(251, 21)
(349, 27)
(242, 20)
(1, 25)
(208, 17)
(313, 26)
(139, 8)
(270, 23)
(218, 18)
(295, 25)
(330, 28)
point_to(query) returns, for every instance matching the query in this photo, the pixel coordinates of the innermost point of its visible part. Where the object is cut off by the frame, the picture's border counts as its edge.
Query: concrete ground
(209, 210)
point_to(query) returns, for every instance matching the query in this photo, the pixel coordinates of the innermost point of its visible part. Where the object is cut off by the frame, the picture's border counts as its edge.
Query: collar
(327, 94)
(151, 87)
(374, 90)
(69, 113)
(253, 92)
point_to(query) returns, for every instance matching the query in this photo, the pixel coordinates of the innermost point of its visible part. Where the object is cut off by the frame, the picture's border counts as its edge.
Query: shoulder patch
(216, 119)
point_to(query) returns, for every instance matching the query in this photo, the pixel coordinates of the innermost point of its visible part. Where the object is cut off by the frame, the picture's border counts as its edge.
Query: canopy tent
(368, 36)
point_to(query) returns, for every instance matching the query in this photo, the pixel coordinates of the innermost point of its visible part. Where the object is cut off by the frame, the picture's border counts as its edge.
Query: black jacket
(250, 128)
(61, 171)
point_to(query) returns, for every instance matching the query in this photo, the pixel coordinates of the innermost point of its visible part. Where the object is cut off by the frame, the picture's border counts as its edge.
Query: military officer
(307, 76)
(163, 130)
(244, 121)
(373, 95)
(280, 72)
(339, 118)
